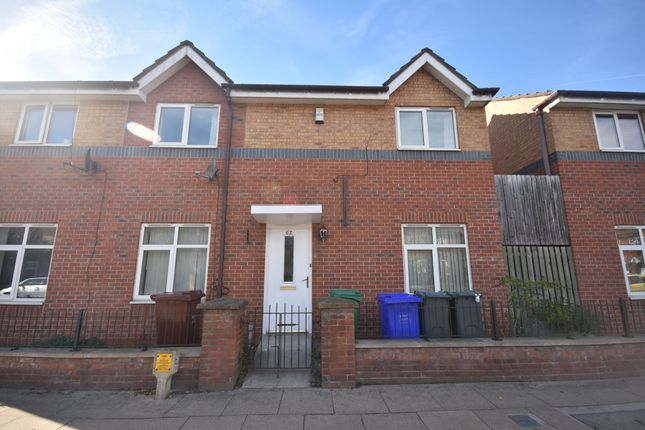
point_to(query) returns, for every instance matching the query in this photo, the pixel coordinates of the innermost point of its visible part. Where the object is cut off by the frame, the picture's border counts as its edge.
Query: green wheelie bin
(351, 294)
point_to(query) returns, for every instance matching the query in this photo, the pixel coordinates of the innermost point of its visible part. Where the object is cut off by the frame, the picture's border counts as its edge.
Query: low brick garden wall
(62, 369)
(484, 360)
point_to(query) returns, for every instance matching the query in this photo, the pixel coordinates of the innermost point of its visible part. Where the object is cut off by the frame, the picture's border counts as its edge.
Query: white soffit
(599, 103)
(287, 214)
(290, 97)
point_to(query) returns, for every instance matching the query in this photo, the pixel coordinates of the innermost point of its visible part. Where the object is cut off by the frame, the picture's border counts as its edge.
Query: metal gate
(280, 338)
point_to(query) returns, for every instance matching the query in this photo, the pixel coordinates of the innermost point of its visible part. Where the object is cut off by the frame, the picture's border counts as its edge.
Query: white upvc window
(426, 129)
(172, 257)
(436, 257)
(631, 244)
(619, 131)
(25, 259)
(46, 124)
(193, 125)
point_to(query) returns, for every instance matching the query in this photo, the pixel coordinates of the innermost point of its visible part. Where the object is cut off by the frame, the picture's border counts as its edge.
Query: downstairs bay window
(631, 244)
(172, 258)
(436, 258)
(25, 258)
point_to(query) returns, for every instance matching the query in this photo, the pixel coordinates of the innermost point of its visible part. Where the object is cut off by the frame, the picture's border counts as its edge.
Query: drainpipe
(227, 163)
(543, 142)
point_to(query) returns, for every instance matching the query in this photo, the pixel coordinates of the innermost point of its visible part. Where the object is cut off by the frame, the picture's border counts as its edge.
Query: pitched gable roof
(445, 73)
(166, 65)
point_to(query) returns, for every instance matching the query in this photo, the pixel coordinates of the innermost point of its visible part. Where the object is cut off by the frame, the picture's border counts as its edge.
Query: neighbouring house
(594, 142)
(379, 188)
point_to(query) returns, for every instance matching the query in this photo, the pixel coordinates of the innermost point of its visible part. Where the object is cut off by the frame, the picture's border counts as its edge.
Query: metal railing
(135, 327)
(279, 337)
(488, 318)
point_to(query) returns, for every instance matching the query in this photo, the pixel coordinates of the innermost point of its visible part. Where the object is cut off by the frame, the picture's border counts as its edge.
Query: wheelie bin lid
(180, 296)
(467, 293)
(392, 298)
(433, 294)
(351, 294)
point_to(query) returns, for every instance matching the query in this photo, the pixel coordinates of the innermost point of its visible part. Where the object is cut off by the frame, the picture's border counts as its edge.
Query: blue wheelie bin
(399, 315)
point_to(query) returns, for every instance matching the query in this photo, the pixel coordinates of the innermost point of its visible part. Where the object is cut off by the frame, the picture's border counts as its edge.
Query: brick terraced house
(594, 141)
(379, 188)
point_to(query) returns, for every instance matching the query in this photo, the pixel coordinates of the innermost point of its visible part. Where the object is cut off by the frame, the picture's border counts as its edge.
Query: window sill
(142, 302)
(623, 150)
(161, 145)
(22, 302)
(401, 148)
(636, 296)
(48, 145)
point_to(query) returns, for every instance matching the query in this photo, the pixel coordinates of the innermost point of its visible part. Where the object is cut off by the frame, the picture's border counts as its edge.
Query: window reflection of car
(30, 288)
(637, 283)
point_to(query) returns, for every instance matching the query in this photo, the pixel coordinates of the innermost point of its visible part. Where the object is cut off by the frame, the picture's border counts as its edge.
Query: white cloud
(55, 40)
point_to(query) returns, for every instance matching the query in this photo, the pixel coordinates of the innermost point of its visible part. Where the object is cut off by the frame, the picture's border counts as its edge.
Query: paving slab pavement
(605, 405)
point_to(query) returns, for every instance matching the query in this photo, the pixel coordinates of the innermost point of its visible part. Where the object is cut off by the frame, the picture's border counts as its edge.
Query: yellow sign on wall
(163, 362)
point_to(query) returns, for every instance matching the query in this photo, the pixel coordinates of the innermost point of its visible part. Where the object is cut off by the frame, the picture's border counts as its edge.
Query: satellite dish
(211, 171)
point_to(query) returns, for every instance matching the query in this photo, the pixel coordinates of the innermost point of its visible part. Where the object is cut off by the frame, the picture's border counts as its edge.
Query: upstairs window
(620, 131)
(187, 125)
(427, 128)
(46, 123)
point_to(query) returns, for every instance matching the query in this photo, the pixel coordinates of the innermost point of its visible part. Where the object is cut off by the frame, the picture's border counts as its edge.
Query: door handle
(307, 280)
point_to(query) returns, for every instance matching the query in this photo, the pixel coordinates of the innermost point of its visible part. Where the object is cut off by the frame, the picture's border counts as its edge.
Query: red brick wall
(137, 190)
(367, 254)
(496, 363)
(337, 350)
(598, 195)
(79, 370)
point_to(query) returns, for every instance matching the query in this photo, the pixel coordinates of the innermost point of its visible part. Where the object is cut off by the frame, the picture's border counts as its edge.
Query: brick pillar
(337, 343)
(223, 337)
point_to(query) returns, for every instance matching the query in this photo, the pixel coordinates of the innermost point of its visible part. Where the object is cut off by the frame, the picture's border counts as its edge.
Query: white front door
(287, 279)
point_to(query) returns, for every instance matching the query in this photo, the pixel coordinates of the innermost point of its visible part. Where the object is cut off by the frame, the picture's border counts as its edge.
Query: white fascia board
(477, 101)
(170, 65)
(133, 94)
(598, 103)
(287, 214)
(436, 69)
(243, 96)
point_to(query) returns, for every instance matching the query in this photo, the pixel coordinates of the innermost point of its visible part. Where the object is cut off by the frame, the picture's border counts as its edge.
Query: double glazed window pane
(420, 270)
(630, 129)
(417, 235)
(635, 268)
(453, 269)
(203, 125)
(629, 236)
(61, 124)
(7, 267)
(441, 129)
(11, 235)
(31, 123)
(607, 132)
(411, 124)
(34, 273)
(154, 272)
(41, 236)
(190, 269)
(171, 124)
(193, 236)
(450, 236)
(158, 235)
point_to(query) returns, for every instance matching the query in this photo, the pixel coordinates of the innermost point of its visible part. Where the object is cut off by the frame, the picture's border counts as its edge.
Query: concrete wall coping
(489, 343)
(223, 304)
(336, 303)
(96, 353)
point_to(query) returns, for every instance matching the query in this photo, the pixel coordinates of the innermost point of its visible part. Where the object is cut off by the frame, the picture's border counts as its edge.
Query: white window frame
(172, 259)
(12, 300)
(435, 254)
(621, 248)
(184, 133)
(615, 114)
(44, 125)
(426, 140)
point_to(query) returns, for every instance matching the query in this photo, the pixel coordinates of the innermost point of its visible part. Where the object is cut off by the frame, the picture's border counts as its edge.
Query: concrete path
(607, 404)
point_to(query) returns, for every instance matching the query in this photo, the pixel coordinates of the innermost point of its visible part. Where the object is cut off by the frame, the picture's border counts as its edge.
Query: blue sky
(520, 46)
